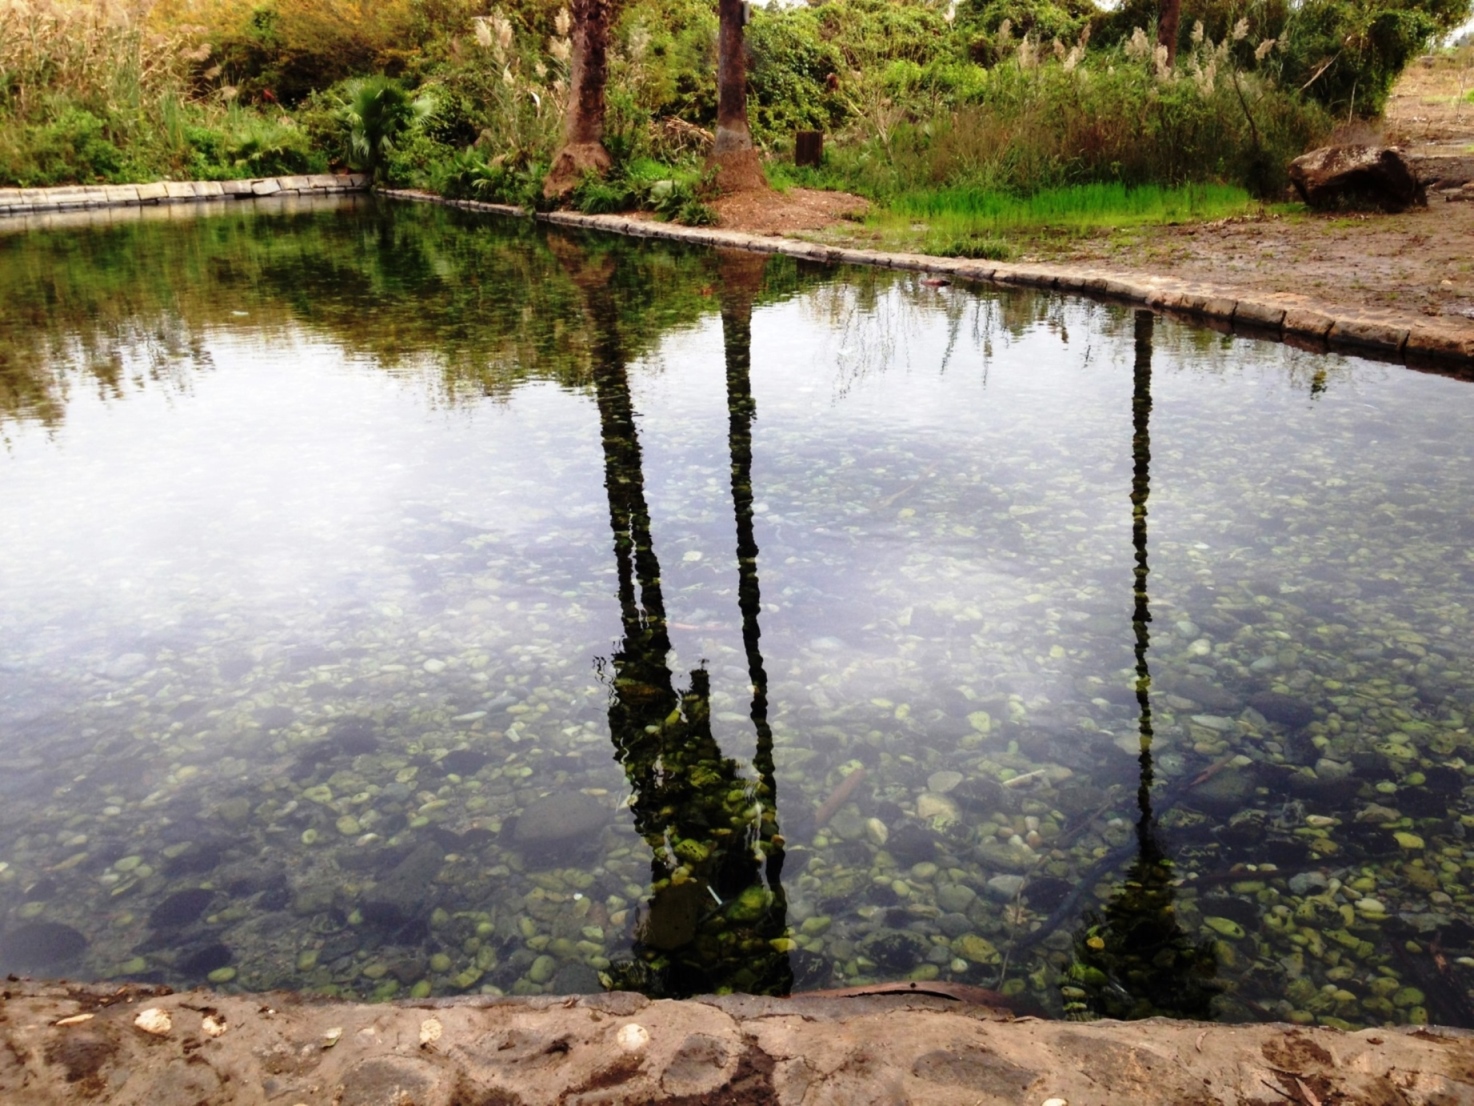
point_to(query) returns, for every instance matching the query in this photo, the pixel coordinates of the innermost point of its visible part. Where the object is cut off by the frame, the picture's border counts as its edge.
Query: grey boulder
(1356, 177)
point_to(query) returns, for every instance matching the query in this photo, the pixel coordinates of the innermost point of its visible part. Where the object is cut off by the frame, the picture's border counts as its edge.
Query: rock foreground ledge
(68, 1043)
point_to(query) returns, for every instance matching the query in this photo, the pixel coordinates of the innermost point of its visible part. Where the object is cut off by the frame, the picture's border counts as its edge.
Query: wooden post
(808, 147)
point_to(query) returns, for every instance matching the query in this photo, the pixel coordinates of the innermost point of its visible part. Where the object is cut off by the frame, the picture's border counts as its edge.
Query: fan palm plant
(377, 111)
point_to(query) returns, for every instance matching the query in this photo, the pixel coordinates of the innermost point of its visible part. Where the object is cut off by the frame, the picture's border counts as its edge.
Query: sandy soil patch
(785, 212)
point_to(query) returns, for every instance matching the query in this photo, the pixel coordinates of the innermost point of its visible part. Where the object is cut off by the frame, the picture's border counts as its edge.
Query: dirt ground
(1430, 105)
(1419, 263)
(799, 209)
(1411, 268)
(136, 1046)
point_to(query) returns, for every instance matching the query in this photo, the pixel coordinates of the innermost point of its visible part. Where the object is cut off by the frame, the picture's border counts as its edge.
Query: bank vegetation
(1008, 107)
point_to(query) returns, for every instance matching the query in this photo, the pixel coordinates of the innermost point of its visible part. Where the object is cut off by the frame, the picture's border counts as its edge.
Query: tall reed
(101, 55)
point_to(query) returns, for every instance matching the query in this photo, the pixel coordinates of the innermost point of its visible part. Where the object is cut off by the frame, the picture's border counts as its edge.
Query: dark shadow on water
(716, 904)
(1135, 960)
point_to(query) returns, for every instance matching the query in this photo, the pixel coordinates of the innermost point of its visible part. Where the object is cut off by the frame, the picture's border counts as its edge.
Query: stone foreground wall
(27, 201)
(131, 1046)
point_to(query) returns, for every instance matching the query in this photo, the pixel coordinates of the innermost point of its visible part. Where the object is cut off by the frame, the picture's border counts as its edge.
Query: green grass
(983, 223)
(1082, 206)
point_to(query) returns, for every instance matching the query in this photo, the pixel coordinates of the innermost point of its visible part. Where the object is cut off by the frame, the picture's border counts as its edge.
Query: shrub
(676, 194)
(377, 114)
(1348, 54)
(789, 74)
(73, 147)
(1043, 20)
(467, 175)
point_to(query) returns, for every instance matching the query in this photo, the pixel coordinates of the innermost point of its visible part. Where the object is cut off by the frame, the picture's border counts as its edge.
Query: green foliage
(467, 175)
(377, 113)
(1348, 53)
(896, 85)
(673, 193)
(789, 73)
(72, 147)
(1029, 125)
(1043, 20)
(262, 146)
(1343, 54)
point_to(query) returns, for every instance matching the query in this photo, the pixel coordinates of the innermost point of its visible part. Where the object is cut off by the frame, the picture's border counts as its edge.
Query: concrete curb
(128, 1045)
(1286, 318)
(30, 201)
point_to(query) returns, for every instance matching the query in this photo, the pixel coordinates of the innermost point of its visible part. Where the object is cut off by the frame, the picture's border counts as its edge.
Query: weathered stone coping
(280, 203)
(65, 1043)
(1287, 317)
(27, 201)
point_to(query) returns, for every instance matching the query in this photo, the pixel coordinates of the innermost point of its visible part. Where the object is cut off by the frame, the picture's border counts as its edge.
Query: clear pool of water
(394, 602)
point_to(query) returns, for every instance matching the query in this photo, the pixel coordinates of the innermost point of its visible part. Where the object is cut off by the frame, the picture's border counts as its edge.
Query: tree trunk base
(571, 163)
(738, 170)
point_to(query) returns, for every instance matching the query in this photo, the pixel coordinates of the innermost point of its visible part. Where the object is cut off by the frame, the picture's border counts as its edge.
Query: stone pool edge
(67, 1043)
(1287, 318)
(42, 201)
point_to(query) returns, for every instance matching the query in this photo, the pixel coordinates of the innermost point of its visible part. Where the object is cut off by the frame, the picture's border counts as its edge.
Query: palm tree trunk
(732, 154)
(583, 130)
(1169, 18)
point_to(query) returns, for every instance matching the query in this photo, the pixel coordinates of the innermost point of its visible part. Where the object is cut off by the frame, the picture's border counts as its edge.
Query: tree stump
(808, 147)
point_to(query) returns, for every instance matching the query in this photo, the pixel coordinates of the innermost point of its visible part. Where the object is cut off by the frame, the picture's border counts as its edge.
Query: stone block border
(30, 201)
(1287, 317)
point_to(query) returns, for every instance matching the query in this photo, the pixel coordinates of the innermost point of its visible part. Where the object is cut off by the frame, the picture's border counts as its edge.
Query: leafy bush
(1343, 54)
(467, 175)
(377, 113)
(789, 74)
(674, 194)
(1348, 54)
(73, 147)
(1043, 20)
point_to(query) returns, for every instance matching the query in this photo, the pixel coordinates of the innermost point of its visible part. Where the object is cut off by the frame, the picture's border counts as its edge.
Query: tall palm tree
(583, 148)
(1169, 18)
(733, 155)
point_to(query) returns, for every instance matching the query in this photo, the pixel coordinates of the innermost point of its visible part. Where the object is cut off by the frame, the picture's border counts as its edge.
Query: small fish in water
(935, 282)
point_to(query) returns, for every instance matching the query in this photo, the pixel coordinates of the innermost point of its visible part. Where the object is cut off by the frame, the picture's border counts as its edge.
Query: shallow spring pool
(394, 602)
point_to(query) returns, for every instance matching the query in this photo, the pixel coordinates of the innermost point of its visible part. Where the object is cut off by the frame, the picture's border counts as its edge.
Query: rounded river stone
(561, 816)
(40, 945)
(1284, 709)
(180, 909)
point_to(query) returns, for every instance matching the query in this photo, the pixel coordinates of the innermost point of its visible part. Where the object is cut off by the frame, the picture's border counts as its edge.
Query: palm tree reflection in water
(716, 905)
(1137, 961)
